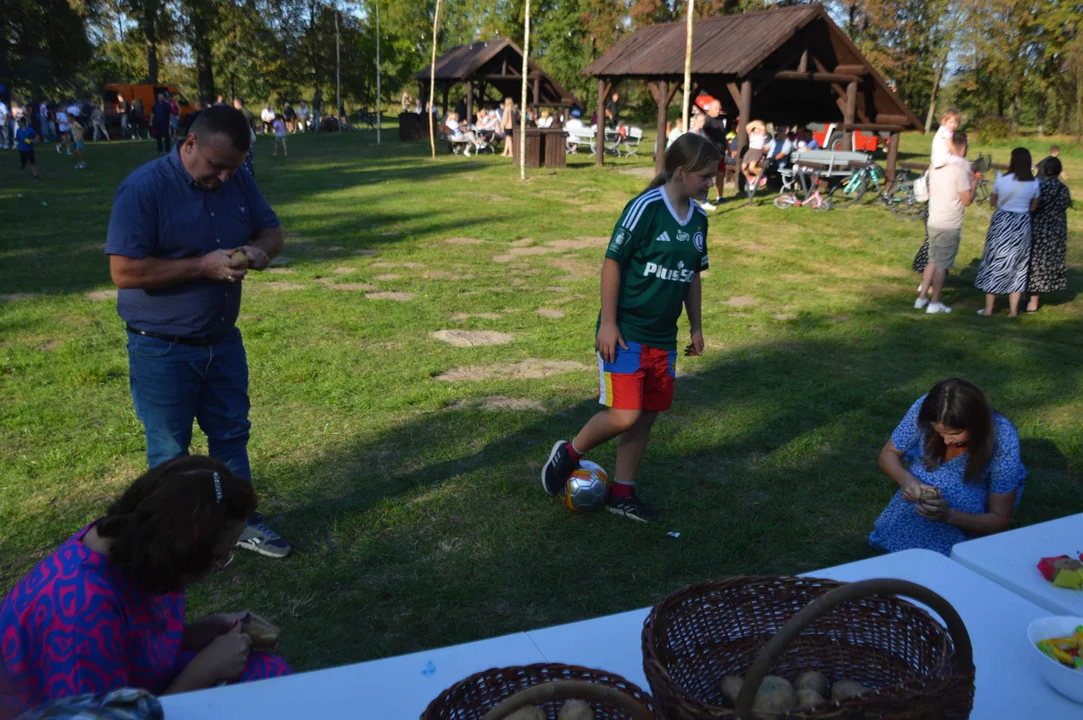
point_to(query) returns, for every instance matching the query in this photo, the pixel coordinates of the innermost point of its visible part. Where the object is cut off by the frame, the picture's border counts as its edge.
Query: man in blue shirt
(161, 115)
(780, 149)
(185, 230)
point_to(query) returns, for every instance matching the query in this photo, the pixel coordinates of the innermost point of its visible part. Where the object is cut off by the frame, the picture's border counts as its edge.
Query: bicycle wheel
(901, 200)
(852, 191)
(785, 201)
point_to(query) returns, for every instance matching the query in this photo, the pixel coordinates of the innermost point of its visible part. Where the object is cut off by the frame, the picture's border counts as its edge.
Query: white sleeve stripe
(650, 198)
(636, 204)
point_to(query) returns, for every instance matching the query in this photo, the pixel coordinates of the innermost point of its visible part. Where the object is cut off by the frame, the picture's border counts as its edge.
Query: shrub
(992, 128)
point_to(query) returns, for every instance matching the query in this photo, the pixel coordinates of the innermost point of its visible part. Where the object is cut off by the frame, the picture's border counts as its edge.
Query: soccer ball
(587, 488)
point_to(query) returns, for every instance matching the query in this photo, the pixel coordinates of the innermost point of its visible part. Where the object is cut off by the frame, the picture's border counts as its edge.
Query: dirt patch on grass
(364, 287)
(343, 270)
(281, 271)
(550, 313)
(365, 252)
(522, 242)
(388, 277)
(472, 338)
(785, 316)
(523, 252)
(102, 295)
(445, 275)
(460, 317)
(575, 268)
(741, 301)
(280, 261)
(50, 345)
(396, 296)
(276, 285)
(529, 369)
(389, 233)
(577, 244)
(557, 289)
(336, 248)
(499, 402)
(464, 241)
(11, 297)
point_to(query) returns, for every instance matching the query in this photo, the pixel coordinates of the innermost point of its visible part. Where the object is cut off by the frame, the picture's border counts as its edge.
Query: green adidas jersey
(659, 255)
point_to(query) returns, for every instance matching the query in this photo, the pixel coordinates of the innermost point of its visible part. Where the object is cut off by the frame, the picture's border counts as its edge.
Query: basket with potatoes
(545, 691)
(785, 647)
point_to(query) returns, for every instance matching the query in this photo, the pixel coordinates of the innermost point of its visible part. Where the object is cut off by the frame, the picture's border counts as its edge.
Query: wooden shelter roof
(499, 64)
(757, 46)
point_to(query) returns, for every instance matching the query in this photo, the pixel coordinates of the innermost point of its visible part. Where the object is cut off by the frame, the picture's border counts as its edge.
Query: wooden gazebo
(494, 66)
(792, 65)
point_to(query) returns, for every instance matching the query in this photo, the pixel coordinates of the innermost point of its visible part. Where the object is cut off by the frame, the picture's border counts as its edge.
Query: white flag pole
(522, 109)
(379, 101)
(687, 68)
(432, 78)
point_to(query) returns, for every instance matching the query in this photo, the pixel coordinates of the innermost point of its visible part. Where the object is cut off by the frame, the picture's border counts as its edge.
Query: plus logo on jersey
(681, 274)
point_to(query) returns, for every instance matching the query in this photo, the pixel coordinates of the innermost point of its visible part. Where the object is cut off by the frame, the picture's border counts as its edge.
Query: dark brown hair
(959, 139)
(165, 526)
(1019, 165)
(959, 405)
(1052, 167)
(690, 152)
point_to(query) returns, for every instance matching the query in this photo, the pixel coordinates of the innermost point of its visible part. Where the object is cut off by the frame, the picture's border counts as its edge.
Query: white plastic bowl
(1065, 680)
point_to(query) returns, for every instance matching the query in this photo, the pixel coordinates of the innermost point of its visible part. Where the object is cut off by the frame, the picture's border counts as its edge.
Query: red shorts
(640, 378)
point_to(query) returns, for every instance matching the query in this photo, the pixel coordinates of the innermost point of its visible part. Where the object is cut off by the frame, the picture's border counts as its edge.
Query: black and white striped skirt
(1007, 254)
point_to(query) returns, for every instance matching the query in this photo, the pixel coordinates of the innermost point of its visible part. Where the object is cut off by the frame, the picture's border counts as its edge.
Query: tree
(45, 41)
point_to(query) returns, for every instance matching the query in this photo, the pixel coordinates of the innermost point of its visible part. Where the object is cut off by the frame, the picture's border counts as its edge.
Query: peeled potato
(264, 636)
(807, 698)
(929, 493)
(813, 681)
(576, 710)
(846, 689)
(528, 713)
(775, 695)
(731, 688)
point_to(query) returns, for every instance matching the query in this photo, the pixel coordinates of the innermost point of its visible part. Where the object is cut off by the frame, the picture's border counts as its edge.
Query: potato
(1066, 564)
(264, 635)
(576, 710)
(731, 688)
(807, 698)
(813, 681)
(775, 696)
(845, 689)
(929, 493)
(528, 713)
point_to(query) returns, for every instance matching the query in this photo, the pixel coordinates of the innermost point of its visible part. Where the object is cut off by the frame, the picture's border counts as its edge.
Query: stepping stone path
(550, 313)
(365, 252)
(459, 317)
(364, 287)
(388, 277)
(336, 248)
(102, 295)
(276, 285)
(464, 241)
(11, 297)
(281, 271)
(741, 301)
(342, 270)
(472, 338)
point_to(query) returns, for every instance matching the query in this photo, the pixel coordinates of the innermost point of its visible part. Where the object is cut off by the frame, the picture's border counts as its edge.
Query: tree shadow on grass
(437, 532)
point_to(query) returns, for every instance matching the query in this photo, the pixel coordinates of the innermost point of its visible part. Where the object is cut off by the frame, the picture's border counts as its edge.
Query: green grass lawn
(405, 470)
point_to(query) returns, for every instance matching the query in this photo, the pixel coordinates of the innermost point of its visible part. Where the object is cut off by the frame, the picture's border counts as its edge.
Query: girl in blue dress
(956, 462)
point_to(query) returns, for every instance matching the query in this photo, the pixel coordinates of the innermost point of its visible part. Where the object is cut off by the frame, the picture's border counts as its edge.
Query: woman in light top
(956, 462)
(1006, 259)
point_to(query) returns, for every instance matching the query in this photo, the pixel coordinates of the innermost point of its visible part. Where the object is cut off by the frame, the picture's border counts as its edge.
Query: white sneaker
(710, 207)
(935, 308)
(920, 303)
(57, 149)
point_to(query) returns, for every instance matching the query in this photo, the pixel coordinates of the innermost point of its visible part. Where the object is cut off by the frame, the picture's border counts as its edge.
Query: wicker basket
(494, 694)
(756, 626)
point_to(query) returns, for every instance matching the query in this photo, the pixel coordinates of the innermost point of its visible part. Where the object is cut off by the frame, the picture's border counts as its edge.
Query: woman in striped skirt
(1006, 258)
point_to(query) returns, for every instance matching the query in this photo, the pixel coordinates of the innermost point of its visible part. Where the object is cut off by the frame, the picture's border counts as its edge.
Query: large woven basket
(758, 626)
(496, 693)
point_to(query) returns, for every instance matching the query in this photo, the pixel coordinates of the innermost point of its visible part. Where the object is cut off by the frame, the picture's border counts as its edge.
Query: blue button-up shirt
(159, 211)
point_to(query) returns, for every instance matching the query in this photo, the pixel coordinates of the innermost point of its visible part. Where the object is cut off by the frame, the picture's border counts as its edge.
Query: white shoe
(710, 207)
(920, 303)
(57, 149)
(920, 289)
(935, 308)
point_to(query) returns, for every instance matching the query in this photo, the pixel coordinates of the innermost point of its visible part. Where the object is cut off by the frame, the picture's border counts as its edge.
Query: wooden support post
(744, 110)
(599, 155)
(892, 156)
(537, 91)
(469, 103)
(447, 88)
(848, 115)
(802, 64)
(661, 94)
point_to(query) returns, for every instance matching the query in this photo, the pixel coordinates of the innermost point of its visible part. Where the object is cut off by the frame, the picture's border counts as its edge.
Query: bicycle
(981, 168)
(901, 199)
(815, 198)
(853, 190)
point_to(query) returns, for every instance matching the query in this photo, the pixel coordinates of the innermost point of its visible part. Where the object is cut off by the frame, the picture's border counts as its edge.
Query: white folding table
(1011, 559)
(397, 688)
(1007, 685)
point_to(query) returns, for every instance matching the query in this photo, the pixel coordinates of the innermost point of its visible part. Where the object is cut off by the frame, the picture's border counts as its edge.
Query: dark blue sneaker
(261, 539)
(557, 468)
(632, 507)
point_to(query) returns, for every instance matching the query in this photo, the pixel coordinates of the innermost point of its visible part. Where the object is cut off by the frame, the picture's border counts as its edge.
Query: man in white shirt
(302, 117)
(951, 190)
(65, 131)
(5, 129)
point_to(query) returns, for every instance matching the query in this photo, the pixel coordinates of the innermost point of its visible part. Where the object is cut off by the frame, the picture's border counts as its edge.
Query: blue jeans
(174, 384)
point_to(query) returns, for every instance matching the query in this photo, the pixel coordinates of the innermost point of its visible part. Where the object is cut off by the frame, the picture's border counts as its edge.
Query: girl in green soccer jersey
(651, 272)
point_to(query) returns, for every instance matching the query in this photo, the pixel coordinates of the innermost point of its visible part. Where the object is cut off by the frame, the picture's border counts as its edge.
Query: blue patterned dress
(76, 624)
(900, 527)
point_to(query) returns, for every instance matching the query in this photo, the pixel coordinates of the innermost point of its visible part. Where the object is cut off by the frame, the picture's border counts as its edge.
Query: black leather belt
(197, 341)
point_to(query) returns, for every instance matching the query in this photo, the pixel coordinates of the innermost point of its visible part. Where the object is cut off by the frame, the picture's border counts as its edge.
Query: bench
(825, 164)
(580, 137)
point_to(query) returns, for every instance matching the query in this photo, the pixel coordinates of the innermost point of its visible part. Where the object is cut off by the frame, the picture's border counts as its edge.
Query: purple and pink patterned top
(76, 624)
